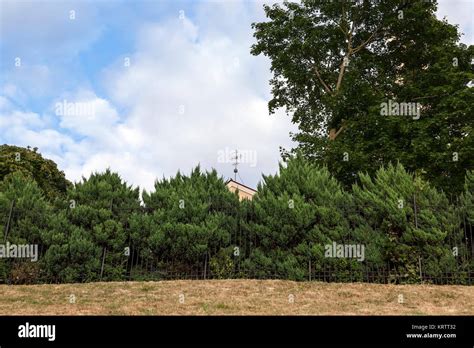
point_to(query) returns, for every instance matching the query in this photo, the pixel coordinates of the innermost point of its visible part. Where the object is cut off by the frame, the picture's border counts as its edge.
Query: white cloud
(87, 115)
(30, 129)
(34, 30)
(178, 68)
(459, 12)
(204, 68)
(192, 90)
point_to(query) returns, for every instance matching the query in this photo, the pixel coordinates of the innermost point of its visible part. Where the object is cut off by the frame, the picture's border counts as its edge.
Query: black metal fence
(138, 267)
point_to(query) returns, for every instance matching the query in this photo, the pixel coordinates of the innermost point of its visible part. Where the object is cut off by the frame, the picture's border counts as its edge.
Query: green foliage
(467, 214)
(190, 218)
(91, 226)
(24, 212)
(403, 56)
(417, 222)
(31, 164)
(193, 225)
(467, 197)
(23, 195)
(222, 264)
(295, 215)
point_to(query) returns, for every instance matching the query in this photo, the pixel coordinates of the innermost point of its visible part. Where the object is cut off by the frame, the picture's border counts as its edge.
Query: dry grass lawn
(235, 297)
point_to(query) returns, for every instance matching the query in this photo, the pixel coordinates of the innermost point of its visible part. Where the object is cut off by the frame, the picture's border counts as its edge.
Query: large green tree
(467, 197)
(90, 232)
(24, 214)
(335, 63)
(294, 216)
(421, 229)
(191, 221)
(29, 161)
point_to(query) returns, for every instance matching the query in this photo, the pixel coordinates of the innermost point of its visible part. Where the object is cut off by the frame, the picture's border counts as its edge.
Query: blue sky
(172, 84)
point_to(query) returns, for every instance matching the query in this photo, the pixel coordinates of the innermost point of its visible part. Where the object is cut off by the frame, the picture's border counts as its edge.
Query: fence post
(309, 268)
(416, 226)
(103, 260)
(7, 228)
(421, 274)
(414, 208)
(131, 263)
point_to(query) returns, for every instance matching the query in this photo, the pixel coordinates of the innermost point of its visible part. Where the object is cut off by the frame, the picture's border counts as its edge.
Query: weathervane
(235, 164)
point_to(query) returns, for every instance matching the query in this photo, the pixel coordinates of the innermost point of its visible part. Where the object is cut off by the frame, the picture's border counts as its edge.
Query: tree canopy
(31, 163)
(337, 64)
(402, 228)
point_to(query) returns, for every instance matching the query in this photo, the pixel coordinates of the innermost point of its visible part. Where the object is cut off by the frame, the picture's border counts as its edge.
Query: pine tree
(191, 219)
(24, 214)
(418, 223)
(296, 214)
(30, 163)
(91, 230)
(467, 197)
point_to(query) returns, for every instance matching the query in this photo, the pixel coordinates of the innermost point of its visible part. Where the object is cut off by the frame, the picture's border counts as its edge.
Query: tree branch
(333, 133)
(377, 30)
(342, 67)
(431, 96)
(350, 50)
(361, 46)
(326, 87)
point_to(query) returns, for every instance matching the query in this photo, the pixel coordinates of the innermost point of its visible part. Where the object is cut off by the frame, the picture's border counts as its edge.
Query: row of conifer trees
(191, 225)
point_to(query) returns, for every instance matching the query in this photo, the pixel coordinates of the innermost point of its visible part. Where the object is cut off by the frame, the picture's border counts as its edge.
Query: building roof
(238, 183)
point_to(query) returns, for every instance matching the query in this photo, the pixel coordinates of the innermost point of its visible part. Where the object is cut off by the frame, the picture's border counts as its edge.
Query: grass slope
(235, 297)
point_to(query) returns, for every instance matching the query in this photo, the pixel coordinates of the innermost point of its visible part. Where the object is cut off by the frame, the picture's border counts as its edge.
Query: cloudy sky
(145, 87)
